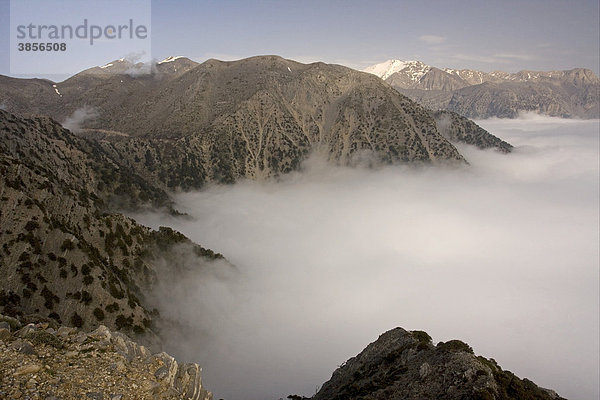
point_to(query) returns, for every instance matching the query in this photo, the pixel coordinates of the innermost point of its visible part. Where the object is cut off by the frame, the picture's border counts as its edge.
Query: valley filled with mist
(501, 253)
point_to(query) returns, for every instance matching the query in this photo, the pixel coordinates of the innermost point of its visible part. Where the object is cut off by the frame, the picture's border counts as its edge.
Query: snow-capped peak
(170, 59)
(385, 69)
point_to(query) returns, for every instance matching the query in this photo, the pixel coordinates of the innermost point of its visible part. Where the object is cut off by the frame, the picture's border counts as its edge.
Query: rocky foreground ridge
(403, 365)
(46, 361)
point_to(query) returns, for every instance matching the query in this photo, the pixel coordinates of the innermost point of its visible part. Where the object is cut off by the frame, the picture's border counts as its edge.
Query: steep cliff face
(64, 255)
(406, 365)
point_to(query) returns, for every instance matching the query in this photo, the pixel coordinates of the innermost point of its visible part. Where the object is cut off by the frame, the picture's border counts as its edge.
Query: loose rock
(27, 369)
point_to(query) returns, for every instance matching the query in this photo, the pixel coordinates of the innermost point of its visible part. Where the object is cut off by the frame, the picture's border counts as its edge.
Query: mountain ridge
(573, 93)
(65, 253)
(257, 117)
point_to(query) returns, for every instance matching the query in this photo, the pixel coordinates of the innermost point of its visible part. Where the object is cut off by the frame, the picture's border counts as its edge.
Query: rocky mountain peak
(477, 94)
(415, 69)
(406, 365)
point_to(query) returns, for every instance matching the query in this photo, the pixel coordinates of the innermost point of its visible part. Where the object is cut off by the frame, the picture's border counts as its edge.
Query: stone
(65, 331)
(119, 366)
(102, 345)
(143, 352)
(16, 394)
(27, 369)
(26, 348)
(4, 325)
(26, 330)
(120, 345)
(101, 333)
(161, 373)
(12, 322)
(81, 337)
(95, 395)
(149, 386)
(4, 334)
(424, 370)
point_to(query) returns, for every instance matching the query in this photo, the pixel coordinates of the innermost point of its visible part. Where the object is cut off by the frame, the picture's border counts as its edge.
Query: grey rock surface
(571, 93)
(406, 365)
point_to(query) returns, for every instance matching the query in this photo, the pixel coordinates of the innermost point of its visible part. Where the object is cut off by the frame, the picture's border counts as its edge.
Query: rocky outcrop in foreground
(406, 365)
(45, 361)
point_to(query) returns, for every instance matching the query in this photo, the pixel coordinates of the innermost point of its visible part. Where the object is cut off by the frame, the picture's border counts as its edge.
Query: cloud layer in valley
(502, 254)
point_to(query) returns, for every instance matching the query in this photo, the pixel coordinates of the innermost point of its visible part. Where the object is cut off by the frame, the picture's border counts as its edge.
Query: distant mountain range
(183, 124)
(475, 94)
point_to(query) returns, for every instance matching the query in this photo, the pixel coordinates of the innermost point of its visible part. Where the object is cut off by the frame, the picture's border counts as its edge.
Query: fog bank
(502, 255)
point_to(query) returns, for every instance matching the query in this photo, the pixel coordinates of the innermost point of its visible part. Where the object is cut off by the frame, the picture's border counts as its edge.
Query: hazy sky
(486, 35)
(502, 254)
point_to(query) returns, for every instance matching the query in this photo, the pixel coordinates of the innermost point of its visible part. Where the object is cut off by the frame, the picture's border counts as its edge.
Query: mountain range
(185, 124)
(572, 93)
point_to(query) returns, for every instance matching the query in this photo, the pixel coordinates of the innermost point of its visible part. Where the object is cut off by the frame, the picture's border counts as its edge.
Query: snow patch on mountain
(170, 59)
(56, 90)
(414, 69)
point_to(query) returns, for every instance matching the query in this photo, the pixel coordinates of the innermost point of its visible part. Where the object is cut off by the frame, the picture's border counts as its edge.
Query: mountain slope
(508, 99)
(406, 365)
(476, 94)
(221, 121)
(459, 129)
(64, 255)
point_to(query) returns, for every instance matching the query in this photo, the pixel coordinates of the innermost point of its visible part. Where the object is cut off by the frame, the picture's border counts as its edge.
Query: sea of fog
(502, 254)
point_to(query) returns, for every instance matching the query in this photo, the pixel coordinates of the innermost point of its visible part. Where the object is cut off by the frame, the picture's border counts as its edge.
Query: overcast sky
(485, 35)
